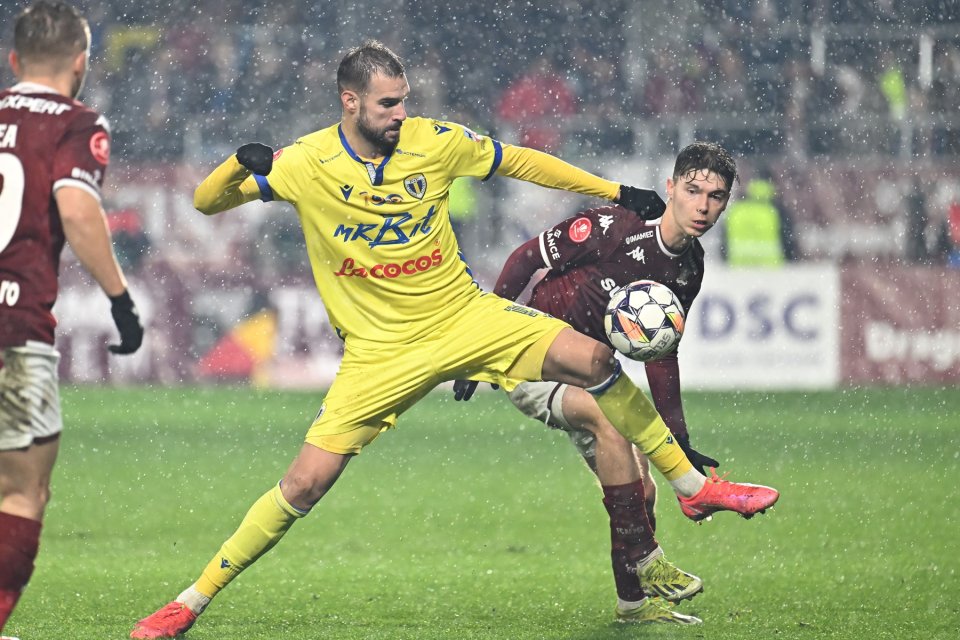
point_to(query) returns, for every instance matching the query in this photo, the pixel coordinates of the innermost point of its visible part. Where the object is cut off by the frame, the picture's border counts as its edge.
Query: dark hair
(50, 32)
(363, 62)
(706, 156)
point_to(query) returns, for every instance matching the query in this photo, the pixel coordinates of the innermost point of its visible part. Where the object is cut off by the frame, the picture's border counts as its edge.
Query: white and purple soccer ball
(644, 320)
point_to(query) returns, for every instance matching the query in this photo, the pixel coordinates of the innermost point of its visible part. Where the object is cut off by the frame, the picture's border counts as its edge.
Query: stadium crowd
(771, 77)
(779, 83)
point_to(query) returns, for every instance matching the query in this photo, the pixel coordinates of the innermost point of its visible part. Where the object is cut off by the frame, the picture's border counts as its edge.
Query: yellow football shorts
(489, 339)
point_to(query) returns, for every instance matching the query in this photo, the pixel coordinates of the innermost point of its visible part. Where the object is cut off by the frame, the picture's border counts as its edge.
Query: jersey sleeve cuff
(544, 255)
(79, 184)
(266, 193)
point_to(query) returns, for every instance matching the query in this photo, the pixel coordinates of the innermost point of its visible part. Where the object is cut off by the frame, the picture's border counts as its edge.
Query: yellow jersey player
(371, 194)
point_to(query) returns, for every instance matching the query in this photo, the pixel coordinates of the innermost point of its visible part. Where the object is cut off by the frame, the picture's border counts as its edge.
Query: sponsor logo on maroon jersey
(100, 147)
(392, 269)
(638, 236)
(580, 229)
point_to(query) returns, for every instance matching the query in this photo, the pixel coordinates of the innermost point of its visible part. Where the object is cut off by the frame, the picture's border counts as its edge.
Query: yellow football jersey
(383, 252)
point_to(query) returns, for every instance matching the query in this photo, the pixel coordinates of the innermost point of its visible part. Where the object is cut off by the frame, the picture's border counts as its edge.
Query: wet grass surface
(474, 522)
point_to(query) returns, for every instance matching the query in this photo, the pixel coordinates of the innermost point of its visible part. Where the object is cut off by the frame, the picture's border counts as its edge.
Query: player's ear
(670, 185)
(80, 63)
(15, 64)
(350, 100)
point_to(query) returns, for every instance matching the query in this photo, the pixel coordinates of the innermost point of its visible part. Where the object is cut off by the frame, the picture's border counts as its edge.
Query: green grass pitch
(473, 522)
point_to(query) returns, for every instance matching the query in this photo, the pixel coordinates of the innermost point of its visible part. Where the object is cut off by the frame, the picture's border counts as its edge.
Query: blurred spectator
(536, 103)
(726, 87)
(754, 231)
(893, 86)
(463, 213)
(130, 241)
(916, 211)
(673, 86)
(799, 78)
(948, 238)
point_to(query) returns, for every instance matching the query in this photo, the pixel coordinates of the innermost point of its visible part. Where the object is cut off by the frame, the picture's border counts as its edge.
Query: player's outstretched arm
(541, 168)
(231, 185)
(85, 228)
(545, 170)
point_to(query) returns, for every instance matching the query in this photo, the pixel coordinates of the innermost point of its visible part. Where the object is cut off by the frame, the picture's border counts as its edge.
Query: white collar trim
(32, 87)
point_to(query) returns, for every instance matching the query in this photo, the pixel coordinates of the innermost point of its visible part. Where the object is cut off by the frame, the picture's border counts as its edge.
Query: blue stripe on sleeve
(497, 159)
(266, 193)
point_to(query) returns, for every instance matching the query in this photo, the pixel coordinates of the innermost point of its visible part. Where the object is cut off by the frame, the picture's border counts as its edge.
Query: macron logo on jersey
(346, 190)
(439, 128)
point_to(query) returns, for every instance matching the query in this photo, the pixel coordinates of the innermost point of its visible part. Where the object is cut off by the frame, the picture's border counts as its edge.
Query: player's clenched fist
(646, 203)
(256, 157)
(127, 319)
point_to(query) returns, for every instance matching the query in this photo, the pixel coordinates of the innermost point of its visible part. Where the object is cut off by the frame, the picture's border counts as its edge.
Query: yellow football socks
(631, 412)
(265, 523)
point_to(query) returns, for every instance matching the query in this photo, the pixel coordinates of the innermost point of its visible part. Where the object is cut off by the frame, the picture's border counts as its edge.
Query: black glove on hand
(463, 389)
(646, 203)
(127, 319)
(257, 157)
(697, 459)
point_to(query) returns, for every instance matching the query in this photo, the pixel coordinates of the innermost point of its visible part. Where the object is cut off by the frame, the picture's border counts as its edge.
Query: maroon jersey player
(587, 257)
(53, 155)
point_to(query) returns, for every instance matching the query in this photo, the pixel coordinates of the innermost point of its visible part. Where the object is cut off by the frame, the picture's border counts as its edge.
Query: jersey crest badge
(580, 229)
(416, 185)
(637, 254)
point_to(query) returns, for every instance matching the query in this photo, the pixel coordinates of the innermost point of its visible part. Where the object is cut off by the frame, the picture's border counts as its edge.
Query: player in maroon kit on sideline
(588, 257)
(53, 154)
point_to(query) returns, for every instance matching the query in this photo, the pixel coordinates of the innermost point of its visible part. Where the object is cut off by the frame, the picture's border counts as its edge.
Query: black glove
(127, 319)
(257, 157)
(646, 203)
(463, 389)
(697, 459)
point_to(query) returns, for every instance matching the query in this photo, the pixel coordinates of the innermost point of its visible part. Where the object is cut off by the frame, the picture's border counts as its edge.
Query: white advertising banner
(762, 329)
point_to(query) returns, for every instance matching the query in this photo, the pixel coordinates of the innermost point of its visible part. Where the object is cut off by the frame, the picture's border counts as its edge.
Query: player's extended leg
(649, 489)
(25, 492)
(639, 566)
(582, 361)
(312, 473)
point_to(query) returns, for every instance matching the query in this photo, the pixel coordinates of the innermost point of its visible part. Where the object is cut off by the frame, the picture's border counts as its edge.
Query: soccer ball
(644, 320)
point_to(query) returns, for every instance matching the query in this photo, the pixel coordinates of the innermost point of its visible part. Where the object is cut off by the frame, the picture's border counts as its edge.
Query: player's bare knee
(300, 491)
(26, 504)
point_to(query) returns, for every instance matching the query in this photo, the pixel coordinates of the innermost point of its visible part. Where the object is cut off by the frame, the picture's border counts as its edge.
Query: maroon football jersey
(47, 141)
(596, 251)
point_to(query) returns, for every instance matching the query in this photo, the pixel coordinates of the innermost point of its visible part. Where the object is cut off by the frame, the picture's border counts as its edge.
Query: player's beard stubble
(378, 137)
